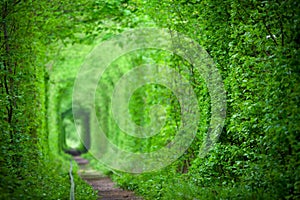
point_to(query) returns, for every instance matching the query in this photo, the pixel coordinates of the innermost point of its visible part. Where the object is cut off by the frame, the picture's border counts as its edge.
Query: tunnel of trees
(254, 45)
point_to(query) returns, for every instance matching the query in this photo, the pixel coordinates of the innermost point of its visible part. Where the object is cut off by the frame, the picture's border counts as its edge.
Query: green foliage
(255, 46)
(31, 166)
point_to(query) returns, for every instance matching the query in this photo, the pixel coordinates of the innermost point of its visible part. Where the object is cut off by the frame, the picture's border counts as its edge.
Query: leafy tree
(31, 34)
(255, 46)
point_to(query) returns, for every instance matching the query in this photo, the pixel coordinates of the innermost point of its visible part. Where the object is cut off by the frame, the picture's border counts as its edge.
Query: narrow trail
(103, 184)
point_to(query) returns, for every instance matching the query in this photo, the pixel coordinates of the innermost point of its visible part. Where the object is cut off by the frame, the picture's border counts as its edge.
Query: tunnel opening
(75, 139)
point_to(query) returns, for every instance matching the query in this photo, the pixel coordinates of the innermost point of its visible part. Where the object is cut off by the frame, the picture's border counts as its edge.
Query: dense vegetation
(31, 163)
(255, 46)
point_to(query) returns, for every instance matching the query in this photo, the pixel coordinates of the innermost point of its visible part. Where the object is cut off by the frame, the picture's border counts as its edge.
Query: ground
(107, 189)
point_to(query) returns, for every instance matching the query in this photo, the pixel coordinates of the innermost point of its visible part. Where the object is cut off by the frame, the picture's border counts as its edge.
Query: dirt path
(103, 184)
